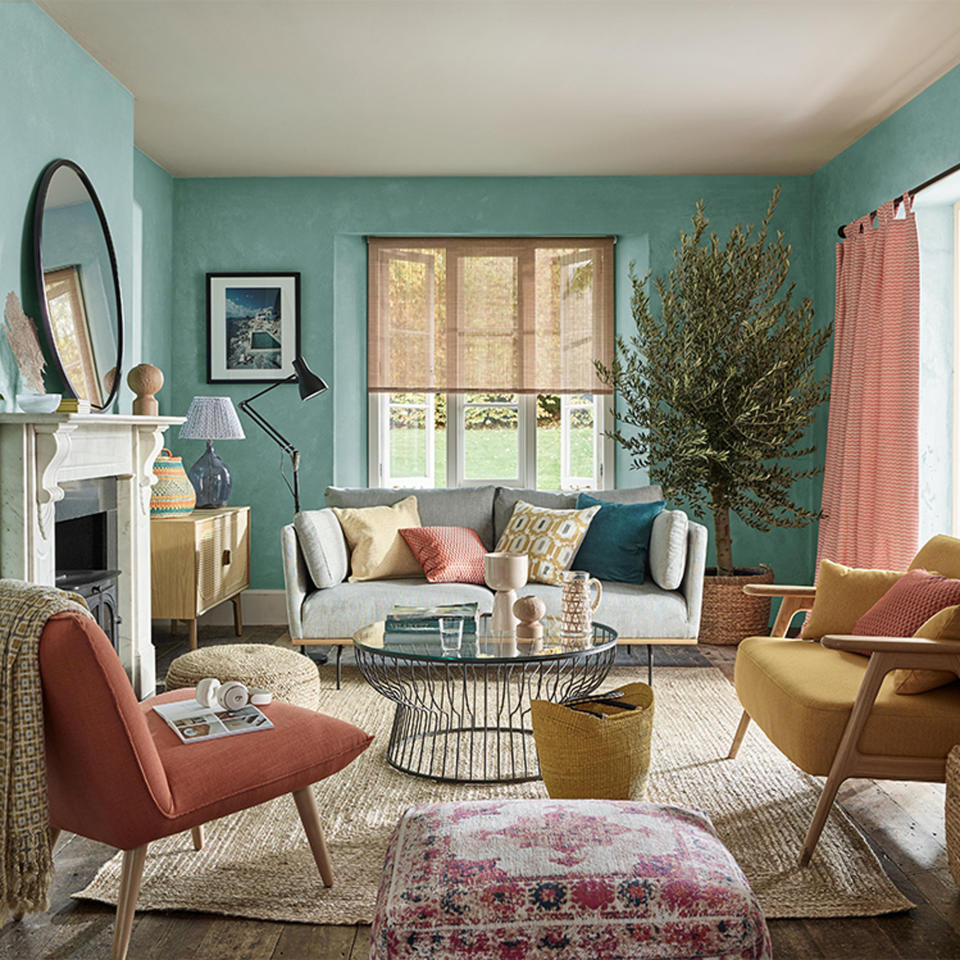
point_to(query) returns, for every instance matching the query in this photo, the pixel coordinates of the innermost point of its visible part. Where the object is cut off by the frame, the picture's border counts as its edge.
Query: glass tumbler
(451, 634)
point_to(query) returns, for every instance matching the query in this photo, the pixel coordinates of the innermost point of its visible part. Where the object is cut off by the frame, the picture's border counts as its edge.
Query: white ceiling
(501, 87)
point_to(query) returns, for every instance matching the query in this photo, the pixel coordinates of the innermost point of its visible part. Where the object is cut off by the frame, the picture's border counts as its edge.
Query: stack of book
(421, 620)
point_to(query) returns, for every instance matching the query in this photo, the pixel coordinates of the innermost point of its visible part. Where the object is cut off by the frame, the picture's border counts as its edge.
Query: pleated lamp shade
(211, 418)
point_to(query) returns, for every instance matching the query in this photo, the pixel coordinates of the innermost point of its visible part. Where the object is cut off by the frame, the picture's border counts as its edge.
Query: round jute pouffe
(288, 675)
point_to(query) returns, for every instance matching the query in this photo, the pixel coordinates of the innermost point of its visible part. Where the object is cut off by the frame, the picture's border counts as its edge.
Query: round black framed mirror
(78, 285)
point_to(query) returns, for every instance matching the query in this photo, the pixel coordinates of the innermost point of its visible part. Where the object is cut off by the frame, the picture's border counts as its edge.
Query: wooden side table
(199, 561)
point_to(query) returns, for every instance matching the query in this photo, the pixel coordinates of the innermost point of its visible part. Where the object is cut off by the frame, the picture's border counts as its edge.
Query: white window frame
(955, 511)
(378, 455)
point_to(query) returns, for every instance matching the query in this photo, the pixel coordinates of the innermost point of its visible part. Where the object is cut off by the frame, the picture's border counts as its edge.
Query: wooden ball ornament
(145, 380)
(529, 610)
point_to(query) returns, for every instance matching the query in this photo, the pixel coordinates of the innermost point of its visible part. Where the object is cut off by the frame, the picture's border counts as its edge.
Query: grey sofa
(328, 616)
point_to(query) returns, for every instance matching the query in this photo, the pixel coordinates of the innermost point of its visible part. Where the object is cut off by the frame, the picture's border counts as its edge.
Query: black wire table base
(468, 721)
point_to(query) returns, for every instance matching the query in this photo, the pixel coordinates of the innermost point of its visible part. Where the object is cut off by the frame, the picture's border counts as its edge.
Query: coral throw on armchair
(870, 483)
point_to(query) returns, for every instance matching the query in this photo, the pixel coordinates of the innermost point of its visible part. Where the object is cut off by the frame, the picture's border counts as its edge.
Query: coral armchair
(834, 712)
(116, 773)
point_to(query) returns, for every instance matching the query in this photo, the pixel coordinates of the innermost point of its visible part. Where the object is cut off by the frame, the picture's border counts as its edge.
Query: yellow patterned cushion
(550, 538)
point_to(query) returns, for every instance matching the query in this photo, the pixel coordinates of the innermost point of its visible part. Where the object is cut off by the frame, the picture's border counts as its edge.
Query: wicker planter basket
(729, 614)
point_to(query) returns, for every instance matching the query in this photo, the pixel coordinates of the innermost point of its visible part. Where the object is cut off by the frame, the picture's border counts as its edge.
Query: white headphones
(231, 695)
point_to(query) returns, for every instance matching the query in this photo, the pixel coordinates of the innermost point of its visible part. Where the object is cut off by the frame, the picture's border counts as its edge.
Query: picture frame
(253, 326)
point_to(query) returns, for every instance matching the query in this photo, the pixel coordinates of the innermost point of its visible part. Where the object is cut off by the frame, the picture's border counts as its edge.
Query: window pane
(491, 438)
(566, 442)
(408, 435)
(440, 440)
(548, 442)
(582, 439)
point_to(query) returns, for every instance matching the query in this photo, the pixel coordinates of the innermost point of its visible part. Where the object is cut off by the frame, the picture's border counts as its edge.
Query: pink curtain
(870, 483)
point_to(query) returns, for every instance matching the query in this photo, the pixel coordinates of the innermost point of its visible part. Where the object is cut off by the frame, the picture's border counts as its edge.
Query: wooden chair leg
(307, 808)
(130, 876)
(739, 735)
(197, 834)
(844, 759)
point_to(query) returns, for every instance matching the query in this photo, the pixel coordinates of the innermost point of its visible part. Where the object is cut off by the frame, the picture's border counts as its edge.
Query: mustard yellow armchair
(834, 712)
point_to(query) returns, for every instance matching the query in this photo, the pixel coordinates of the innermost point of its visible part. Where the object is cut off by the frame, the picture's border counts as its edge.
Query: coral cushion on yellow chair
(844, 594)
(801, 694)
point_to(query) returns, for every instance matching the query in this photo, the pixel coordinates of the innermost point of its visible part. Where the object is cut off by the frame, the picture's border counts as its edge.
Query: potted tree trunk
(716, 392)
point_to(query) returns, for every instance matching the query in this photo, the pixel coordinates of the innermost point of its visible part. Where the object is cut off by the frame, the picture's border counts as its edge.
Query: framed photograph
(253, 326)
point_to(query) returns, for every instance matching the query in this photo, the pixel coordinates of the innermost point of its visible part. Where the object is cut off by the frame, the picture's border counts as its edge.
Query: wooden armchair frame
(886, 654)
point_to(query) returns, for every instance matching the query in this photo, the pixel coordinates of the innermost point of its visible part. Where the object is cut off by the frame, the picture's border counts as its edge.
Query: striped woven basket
(173, 494)
(592, 749)
(952, 813)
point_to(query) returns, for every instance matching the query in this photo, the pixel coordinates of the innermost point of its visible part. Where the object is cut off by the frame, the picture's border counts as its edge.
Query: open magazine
(193, 722)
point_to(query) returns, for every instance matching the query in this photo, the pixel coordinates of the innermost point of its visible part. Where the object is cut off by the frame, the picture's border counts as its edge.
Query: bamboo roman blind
(460, 315)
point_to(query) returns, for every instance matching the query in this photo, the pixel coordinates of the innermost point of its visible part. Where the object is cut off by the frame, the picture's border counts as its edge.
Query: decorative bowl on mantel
(38, 402)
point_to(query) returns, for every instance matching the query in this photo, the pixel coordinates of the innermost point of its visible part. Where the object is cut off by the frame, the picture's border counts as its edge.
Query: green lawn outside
(492, 453)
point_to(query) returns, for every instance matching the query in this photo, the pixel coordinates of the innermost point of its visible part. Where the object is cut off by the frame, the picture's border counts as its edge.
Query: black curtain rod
(913, 192)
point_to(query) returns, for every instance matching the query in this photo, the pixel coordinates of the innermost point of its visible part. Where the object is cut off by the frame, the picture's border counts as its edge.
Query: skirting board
(261, 608)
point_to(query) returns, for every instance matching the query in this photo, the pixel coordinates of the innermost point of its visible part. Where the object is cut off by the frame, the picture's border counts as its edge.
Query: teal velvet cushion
(615, 547)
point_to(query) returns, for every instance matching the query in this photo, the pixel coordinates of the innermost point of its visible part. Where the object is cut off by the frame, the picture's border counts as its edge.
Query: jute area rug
(257, 864)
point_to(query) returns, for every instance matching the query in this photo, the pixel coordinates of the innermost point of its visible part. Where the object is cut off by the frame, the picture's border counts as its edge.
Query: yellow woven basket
(592, 749)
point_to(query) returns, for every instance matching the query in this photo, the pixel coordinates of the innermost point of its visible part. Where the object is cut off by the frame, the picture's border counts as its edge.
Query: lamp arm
(285, 445)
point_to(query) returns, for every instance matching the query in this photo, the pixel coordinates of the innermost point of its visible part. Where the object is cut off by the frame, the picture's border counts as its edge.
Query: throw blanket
(27, 862)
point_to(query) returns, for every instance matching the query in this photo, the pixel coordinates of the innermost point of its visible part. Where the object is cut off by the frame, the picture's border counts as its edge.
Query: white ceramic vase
(506, 573)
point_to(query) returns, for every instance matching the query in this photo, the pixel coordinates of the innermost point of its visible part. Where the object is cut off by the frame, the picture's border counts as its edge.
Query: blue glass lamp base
(210, 477)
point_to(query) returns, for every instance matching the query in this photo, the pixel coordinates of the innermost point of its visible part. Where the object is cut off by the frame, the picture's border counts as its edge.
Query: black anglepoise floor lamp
(310, 386)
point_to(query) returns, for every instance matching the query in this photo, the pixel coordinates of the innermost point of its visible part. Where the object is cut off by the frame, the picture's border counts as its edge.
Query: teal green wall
(56, 101)
(153, 221)
(317, 227)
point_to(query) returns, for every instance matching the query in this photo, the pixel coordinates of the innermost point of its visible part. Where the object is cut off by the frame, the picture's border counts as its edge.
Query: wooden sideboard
(199, 561)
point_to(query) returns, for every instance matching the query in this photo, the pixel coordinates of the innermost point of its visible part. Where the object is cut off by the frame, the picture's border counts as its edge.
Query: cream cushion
(844, 595)
(550, 538)
(377, 551)
(668, 548)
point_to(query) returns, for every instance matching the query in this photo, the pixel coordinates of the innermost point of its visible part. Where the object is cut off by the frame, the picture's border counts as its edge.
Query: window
(481, 362)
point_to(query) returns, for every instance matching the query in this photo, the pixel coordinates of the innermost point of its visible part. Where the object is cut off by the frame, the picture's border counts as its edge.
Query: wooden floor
(902, 821)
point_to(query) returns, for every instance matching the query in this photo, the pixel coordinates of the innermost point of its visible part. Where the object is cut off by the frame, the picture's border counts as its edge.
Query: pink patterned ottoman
(564, 879)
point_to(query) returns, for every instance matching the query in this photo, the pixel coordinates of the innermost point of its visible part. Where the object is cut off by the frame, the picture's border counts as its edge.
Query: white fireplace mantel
(38, 453)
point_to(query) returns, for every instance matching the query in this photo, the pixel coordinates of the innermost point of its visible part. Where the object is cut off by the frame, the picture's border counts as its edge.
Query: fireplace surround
(42, 457)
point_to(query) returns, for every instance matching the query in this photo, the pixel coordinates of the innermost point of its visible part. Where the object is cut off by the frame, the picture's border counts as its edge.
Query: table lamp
(309, 386)
(211, 418)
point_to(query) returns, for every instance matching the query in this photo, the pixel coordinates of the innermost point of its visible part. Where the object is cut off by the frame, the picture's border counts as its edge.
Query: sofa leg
(307, 808)
(649, 664)
(197, 834)
(339, 655)
(739, 735)
(130, 876)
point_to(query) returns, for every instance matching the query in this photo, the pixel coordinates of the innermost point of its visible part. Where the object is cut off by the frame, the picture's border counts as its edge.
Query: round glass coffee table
(464, 717)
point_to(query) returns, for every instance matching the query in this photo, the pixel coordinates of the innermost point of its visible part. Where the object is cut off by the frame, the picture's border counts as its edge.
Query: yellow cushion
(844, 595)
(550, 538)
(800, 694)
(377, 551)
(943, 625)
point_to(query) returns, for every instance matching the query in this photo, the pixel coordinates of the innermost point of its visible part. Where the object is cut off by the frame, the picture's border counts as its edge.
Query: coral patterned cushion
(447, 554)
(564, 879)
(908, 604)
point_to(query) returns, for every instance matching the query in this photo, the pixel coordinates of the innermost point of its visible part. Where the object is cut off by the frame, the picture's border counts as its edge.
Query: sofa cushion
(507, 497)
(339, 611)
(909, 603)
(447, 554)
(800, 694)
(634, 610)
(377, 551)
(442, 507)
(549, 538)
(943, 625)
(323, 547)
(570, 879)
(616, 542)
(843, 595)
(668, 548)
